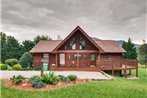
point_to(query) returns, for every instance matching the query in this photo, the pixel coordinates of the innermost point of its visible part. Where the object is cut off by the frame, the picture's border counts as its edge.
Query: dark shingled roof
(109, 46)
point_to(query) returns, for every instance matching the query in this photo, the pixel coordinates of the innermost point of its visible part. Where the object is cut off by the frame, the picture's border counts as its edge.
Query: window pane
(45, 55)
(92, 56)
(73, 43)
(77, 56)
(82, 43)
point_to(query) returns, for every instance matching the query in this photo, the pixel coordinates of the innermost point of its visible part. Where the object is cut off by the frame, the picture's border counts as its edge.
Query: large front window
(73, 43)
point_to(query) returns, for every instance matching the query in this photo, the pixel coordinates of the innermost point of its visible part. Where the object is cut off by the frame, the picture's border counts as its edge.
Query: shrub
(11, 62)
(26, 60)
(63, 78)
(33, 78)
(16, 67)
(37, 83)
(72, 77)
(9, 67)
(3, 66)
(50, 78)
(18, 79)
(27, 68)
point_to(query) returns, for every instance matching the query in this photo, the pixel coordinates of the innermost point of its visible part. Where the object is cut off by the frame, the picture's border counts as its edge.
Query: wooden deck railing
(118, 65)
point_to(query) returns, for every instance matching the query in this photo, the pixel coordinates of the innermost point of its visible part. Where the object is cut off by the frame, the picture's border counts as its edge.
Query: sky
(104, 19)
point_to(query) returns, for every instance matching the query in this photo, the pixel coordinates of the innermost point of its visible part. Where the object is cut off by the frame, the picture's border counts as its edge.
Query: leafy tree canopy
(142, 54)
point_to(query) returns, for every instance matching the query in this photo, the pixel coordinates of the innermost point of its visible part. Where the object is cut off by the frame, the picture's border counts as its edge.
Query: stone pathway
(81, 74)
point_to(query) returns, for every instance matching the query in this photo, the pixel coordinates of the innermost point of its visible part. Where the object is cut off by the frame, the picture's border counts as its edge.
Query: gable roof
(45, 46)
(105, 46)
(109, 46)
(84, 33)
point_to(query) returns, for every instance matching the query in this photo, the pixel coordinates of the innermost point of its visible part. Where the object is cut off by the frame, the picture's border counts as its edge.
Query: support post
(137, 69)
(125, 71)
(130, 72)
(112, 68)
(56, 60)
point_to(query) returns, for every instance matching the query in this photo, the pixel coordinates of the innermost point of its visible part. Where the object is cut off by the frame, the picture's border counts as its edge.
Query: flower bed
(27, 86)
(45, 82)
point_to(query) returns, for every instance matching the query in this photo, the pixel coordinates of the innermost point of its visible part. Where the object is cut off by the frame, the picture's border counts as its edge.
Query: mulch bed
(27, 86)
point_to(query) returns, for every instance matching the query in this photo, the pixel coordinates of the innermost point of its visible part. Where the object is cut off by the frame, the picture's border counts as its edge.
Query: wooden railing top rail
(118, 62)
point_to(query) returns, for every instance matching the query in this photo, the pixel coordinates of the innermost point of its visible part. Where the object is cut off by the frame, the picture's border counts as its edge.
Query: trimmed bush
(18, 79)
(26, 60)
(16, 67)
(72, 77)
(37, 83)
(50, 78)
(63, 78)
(3, 66)
(11, 62)
(33, 78)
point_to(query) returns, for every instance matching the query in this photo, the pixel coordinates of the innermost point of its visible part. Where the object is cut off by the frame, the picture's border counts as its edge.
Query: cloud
(105, 19)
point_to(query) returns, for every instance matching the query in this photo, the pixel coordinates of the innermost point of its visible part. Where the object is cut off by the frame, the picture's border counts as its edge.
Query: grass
(119, 88)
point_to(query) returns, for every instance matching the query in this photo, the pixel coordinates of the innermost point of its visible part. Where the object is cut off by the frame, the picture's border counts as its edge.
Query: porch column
(98, 59)
(78, 60)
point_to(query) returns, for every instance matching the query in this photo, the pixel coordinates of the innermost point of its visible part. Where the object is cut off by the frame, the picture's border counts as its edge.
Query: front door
(62, 59)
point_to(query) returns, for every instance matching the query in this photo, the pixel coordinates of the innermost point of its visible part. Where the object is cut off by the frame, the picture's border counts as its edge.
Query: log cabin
(78, 51)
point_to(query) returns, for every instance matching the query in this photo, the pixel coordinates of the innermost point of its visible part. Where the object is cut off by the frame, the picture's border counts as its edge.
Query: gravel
(81, 74)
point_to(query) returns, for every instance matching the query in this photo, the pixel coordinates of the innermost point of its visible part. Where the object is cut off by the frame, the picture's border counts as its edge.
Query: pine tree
(28, 45)
(13, 48)
(130, 50)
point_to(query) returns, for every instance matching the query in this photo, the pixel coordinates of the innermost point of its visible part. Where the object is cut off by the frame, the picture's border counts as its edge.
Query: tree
(142, 54)
(41, 37)
(130, 50)
(26, 60)
(13, 48)
(3, 46)
(28, 45)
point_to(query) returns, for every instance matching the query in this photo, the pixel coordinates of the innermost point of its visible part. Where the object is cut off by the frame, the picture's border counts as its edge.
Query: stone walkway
(80, 74)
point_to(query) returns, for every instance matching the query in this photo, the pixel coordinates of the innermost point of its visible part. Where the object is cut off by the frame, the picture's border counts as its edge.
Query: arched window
(73, 43)
(82, 43)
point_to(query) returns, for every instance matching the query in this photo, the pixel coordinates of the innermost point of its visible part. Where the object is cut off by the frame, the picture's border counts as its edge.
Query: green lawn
(119, 88)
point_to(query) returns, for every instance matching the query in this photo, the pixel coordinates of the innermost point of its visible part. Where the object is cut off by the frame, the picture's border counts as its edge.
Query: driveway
(80, 74)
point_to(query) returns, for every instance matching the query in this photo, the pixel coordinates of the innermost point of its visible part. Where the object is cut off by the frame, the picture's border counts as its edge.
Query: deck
(122, 65)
